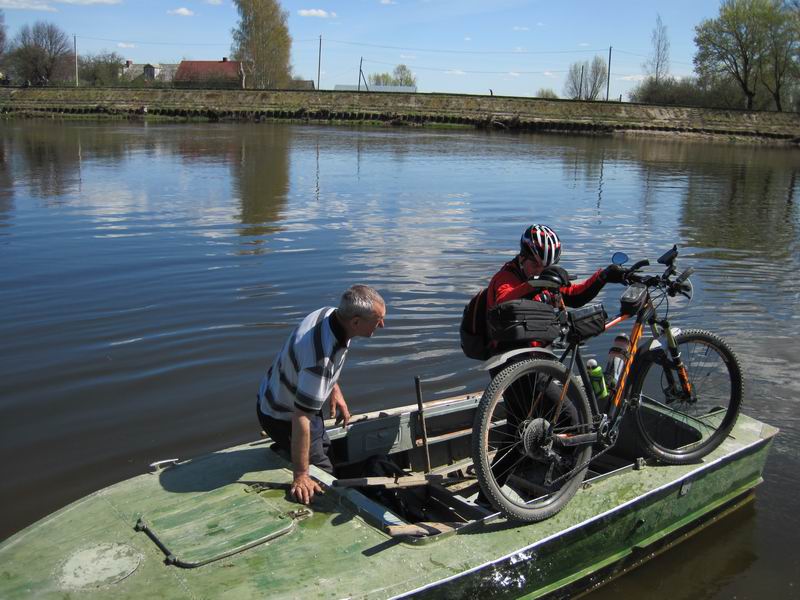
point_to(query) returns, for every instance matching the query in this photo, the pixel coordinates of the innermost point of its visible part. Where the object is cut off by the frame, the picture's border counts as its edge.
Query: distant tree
(261, 41)
(404, 76)
(2, 36)
(401, 75)
(102, 69)
(574, 85)
(717, 91)
(781, 47)
(547, 94)
(734, 43)
(381, 79)
(40, 54)
(657, 65)
(584, 80)
(598, 75)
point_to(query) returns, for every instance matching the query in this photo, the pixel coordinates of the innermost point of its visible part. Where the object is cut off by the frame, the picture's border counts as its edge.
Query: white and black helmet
(541, 242)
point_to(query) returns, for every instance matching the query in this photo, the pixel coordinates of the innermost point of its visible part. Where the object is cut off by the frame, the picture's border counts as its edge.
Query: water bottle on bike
(617, 356)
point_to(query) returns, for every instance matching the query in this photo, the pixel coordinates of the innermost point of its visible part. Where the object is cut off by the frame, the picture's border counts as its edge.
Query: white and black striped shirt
(306, 369)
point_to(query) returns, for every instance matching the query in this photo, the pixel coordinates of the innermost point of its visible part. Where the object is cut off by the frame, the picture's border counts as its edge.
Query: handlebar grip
(639, 265)
(685, 275)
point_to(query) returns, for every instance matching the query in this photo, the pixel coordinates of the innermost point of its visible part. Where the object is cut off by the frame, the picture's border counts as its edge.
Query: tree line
(42, 53)
(746, 57)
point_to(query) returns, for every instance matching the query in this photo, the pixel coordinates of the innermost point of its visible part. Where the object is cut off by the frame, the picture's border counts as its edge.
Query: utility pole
(580, 87)
(75, 49)
(319, 60)
(608, 77)
(359, 72)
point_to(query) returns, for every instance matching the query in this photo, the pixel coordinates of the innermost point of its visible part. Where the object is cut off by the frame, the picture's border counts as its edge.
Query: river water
(148, 273)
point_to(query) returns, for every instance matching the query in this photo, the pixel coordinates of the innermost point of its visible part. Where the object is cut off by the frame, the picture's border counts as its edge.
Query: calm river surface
(149, 272)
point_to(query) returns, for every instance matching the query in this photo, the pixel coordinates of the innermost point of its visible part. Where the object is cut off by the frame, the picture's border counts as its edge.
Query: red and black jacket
(510, 283)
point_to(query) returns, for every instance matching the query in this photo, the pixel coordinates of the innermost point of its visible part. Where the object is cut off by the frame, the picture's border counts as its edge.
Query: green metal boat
(222, 525)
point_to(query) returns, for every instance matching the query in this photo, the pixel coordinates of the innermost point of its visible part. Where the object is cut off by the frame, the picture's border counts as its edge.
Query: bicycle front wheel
(676, 426)
(524, 468)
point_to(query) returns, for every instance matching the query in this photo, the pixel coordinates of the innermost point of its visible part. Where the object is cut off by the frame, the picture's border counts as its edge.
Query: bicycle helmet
(541, 242)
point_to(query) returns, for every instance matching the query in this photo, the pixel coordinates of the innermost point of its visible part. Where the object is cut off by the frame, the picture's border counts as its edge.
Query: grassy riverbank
(511, 113)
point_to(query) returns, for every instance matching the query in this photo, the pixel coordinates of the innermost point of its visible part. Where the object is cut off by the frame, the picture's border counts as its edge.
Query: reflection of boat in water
(221, 525)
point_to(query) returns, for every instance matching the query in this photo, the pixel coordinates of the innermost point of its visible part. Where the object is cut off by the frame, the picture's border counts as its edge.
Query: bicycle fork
(677, 363)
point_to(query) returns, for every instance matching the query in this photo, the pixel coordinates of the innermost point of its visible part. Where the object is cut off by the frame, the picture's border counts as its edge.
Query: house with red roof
(210, 73)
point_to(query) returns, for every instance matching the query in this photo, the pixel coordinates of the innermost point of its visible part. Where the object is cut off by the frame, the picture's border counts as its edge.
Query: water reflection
(47, 159)
(728, 208)
(260, 170)
(6, 184)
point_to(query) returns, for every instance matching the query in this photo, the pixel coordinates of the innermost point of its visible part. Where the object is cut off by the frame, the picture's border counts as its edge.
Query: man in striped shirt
(305, 374)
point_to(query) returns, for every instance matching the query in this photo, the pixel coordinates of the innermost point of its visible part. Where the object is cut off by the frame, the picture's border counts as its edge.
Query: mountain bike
(538, 425)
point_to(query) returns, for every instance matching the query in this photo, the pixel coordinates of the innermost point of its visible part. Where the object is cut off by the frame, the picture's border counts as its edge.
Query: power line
(146, 43)
(83, 37)
(455, 70)
(677, 62)
(521, 52)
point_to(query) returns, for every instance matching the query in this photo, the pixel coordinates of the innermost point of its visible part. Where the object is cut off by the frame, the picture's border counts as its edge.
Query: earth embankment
(500, 112)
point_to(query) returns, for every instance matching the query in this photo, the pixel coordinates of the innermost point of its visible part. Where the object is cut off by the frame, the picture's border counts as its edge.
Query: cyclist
(520, 278)
(539, 253)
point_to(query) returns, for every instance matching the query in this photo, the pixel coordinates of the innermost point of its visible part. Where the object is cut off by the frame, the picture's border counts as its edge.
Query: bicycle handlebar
(677, 286)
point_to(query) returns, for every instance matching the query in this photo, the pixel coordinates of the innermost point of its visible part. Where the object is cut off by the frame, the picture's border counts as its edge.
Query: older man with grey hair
(305, 374)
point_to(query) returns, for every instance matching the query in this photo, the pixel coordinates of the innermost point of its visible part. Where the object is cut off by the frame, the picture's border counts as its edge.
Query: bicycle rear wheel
(676, 427)
(521, 464)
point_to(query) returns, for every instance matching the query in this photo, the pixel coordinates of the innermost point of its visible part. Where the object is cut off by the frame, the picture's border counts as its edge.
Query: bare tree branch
(657, 66)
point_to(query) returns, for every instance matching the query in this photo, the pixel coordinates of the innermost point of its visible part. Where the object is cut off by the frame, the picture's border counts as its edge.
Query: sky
(512, 47)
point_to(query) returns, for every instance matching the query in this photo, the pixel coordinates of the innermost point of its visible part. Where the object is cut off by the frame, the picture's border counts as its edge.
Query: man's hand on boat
(303, 488)
(339, 410)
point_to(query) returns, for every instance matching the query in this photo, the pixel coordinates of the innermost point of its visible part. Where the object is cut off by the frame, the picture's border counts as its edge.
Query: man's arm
(303, 487)
(339, 405)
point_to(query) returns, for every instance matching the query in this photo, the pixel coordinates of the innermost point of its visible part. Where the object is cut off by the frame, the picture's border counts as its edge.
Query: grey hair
(359, 301)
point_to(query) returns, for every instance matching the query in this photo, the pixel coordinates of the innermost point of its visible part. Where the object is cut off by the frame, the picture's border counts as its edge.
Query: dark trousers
(281, 433)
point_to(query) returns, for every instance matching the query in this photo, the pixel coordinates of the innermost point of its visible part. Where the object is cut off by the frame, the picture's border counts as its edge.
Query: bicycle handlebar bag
(523, 321)
(632, 299)
(586, 322)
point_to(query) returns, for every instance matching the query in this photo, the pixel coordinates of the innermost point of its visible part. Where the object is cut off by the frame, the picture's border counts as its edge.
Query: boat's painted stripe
(706, 467)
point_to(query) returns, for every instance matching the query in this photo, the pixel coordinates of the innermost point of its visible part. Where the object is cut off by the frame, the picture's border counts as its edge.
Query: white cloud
(181, 12)
(455, 72)
(47, 5)
(26, 5)
(467, 39)
(125, 45)
(549, 74)
(408, 56)
(583, 44)
(630, 78)
(214, 2)
(540, 24)
(519, 49)
(520, 28)
(388, 2)
(513, 74)
(316, 12)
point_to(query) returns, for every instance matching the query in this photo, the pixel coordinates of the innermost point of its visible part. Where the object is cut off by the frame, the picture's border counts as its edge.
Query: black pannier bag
(473, 331)
(523, 321)
(633, 299)
(587, 321)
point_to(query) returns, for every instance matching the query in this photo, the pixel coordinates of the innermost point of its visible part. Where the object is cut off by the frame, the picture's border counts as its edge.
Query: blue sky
(514, 47)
